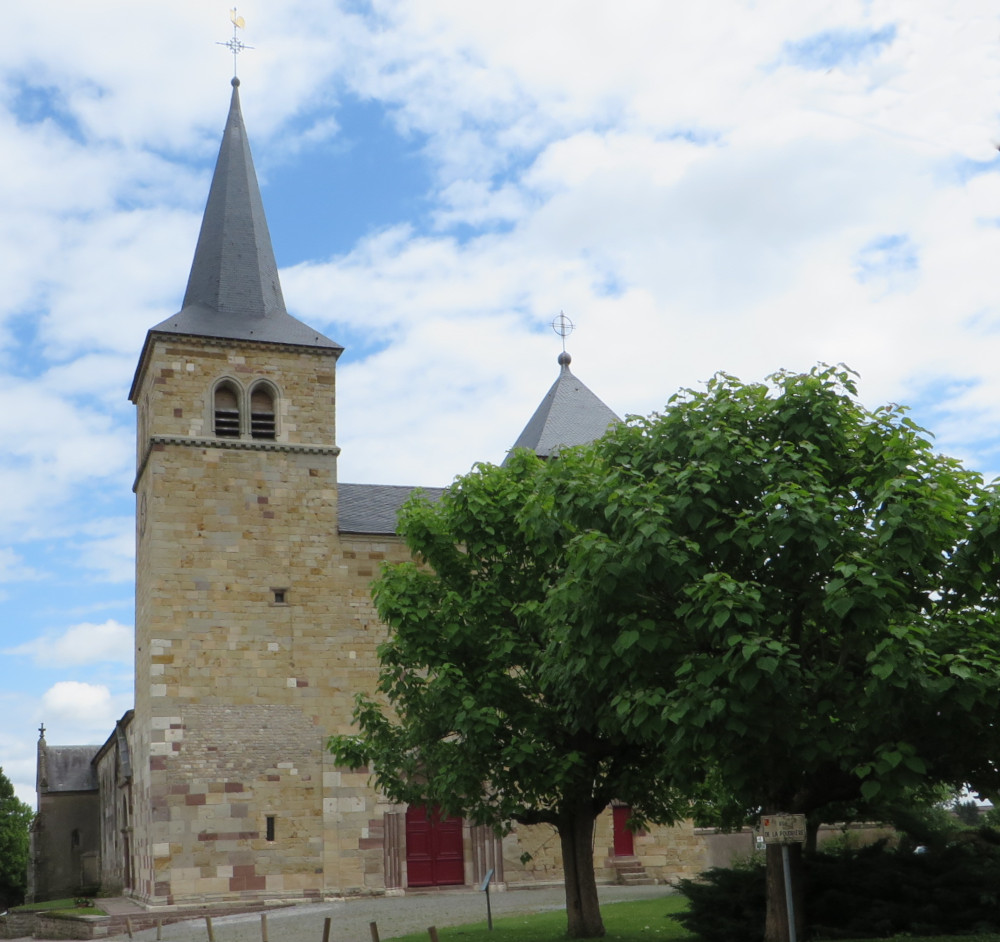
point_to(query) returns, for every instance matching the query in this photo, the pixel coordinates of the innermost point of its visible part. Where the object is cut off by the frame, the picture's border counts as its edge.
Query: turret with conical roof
(570, 414)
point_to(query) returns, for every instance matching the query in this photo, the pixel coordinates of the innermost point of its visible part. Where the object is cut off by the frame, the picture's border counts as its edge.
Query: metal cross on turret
(563, 326)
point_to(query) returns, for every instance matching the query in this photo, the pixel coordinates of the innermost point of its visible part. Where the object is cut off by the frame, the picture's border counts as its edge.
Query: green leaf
(870, 789)
(626, 640)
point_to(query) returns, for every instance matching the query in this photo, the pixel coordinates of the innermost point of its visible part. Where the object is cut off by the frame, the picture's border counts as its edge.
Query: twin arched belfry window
(233, 419)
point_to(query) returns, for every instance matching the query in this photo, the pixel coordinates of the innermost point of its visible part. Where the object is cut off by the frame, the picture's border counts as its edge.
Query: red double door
(433, 848)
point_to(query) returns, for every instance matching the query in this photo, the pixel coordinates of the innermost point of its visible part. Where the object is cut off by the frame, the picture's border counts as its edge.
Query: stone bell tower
(236, 533)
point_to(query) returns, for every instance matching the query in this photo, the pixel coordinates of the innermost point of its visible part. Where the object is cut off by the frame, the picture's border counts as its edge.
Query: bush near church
(866, 893)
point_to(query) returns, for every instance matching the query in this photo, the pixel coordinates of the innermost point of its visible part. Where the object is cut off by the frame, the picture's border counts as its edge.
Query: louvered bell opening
(262, 423)
(227, 413)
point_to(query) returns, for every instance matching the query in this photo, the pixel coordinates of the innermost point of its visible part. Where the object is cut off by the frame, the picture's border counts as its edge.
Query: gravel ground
(394, 915)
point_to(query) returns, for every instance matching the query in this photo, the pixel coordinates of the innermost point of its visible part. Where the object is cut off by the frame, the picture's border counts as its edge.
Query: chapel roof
(373, 508)
(570, 414)
(69, 769)
(233, 290)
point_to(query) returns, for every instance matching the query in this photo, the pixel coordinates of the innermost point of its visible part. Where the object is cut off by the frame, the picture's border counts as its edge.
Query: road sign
(783, 828)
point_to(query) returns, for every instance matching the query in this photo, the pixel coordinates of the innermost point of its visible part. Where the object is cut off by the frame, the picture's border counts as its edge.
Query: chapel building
(254, 624)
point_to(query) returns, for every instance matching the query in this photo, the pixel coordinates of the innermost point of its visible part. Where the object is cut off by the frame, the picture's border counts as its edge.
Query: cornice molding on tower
(229, 444)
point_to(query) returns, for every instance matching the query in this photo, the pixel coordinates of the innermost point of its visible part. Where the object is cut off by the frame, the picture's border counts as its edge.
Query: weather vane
(563, 326)
(236, 45)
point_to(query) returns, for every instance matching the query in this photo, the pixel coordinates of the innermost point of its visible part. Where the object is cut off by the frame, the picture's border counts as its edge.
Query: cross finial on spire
(41, 732)
(563, 326)
(235, 45)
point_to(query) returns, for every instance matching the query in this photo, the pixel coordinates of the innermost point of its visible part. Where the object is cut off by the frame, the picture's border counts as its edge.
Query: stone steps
(632, 873)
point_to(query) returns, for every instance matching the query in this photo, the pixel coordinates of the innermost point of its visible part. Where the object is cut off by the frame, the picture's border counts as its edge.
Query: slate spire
(233, 289)
(570, 414)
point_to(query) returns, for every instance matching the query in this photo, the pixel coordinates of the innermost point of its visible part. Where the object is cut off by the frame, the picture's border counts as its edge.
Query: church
(254, 626)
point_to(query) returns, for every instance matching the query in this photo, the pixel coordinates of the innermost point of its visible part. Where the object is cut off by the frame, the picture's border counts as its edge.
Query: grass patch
(61, 906)
(640, 921)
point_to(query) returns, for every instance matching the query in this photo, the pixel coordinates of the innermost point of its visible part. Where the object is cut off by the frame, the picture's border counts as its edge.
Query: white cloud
(56, 450)
(107, 547)
(695, 197)
(13, 568)
(85, 643)
(80, 712)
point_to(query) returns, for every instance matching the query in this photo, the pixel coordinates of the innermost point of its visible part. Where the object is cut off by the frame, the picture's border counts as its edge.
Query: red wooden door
(623, 836)
(433, 848)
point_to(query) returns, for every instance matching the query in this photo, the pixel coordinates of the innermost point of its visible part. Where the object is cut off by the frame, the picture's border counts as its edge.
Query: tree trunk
(812, 835)
(583, 911)
(776, 925)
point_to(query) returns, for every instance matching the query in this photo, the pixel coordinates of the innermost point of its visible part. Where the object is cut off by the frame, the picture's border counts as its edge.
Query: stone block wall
(238, 644)
(66, 837)
(666, 853)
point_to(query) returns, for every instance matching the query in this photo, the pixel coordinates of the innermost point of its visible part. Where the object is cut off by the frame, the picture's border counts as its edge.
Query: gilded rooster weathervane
(235, 45)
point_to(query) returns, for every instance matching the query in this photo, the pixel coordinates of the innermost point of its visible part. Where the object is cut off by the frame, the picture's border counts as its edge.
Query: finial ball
(235, 82)
(565, 359)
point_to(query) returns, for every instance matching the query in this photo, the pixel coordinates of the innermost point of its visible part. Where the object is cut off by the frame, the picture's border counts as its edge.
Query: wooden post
(159, 930)
(433, 933)
(208, 924)
(128, 926)
(263, 927)
(373, 927)
(326, 929)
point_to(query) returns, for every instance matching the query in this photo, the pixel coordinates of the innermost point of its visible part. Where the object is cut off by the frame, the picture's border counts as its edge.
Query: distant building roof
(69, 769)
(374, 508)
(570, 414)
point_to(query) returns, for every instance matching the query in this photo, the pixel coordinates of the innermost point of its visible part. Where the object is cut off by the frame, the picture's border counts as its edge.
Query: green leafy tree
(473, 722)
(15, 827)
(794, 596)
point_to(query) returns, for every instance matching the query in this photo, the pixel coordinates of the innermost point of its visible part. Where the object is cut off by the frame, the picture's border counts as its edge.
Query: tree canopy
(783, 598)
(15, 828)
(795, 596)
(476, 726)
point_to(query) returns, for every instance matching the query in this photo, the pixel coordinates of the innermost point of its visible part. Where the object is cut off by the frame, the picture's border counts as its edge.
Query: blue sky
(770, 186)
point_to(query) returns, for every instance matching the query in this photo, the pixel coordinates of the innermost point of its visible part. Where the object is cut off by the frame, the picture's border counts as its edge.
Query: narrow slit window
(262, 421)
(269, 827)
(227, 413)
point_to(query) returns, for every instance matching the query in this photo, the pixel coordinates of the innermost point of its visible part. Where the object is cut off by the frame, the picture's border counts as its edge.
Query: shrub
(967, 812)
(871, 892)
(726, 904)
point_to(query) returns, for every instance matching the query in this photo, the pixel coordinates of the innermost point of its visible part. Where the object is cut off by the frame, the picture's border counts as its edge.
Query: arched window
(262, 421)
(227, 411)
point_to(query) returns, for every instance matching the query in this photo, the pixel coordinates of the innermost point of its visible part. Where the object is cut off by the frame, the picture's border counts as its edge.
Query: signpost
(485, 887)
(785, 829)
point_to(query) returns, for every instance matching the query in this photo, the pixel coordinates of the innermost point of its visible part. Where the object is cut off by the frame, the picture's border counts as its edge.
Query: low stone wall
(42, 925)
(17, 925)
(53, 926)
(724, 849)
